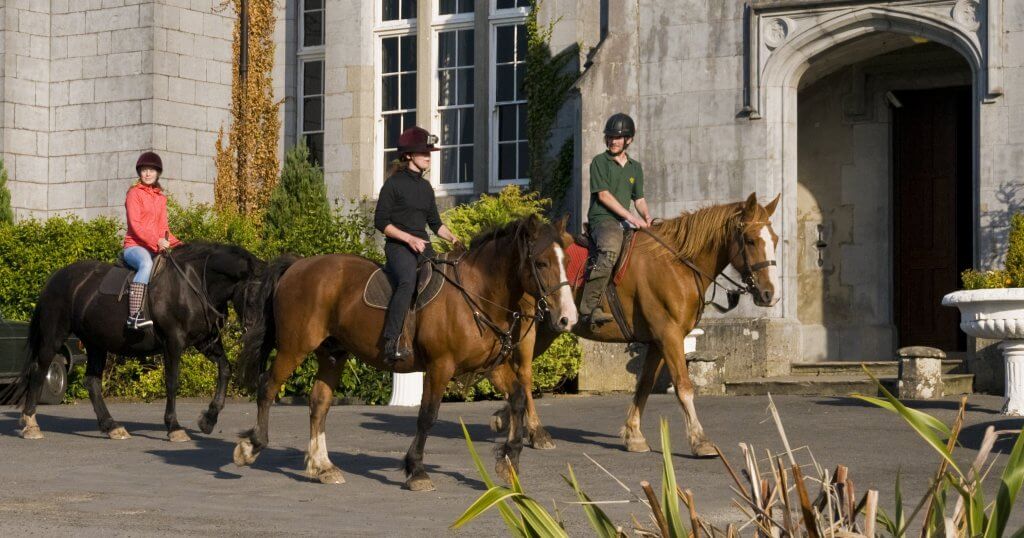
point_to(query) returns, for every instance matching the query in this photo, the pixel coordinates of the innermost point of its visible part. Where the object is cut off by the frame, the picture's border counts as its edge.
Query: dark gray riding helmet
(620, 124)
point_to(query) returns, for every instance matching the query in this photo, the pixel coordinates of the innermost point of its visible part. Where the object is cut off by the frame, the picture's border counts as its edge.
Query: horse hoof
(503, 470)
(498, 422)
(637, 445)
(542, 441)
(331, 476)
(119, 434)
(705, 449)
(243, 454)
(178, 436)
(419, 483)
(205, 424)
(31, 432)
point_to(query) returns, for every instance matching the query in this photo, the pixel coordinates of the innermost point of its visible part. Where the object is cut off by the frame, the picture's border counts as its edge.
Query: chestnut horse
(316, 304)
(662, 296)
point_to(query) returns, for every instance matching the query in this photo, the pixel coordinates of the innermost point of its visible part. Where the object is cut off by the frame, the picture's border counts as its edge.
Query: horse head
(752, 250)
(542, 270)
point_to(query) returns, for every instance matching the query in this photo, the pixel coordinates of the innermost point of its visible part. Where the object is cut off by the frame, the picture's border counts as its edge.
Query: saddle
(118, 278)
(581, 255)
(378, 290)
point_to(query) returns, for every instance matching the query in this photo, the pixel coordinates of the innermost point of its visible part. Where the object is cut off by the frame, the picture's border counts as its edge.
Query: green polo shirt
(626, 183)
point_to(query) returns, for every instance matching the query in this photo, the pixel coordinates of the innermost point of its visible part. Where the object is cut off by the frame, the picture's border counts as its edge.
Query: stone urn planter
(997, 314)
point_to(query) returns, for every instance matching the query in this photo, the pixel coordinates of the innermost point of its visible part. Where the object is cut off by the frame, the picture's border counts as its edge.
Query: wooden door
(933, 212)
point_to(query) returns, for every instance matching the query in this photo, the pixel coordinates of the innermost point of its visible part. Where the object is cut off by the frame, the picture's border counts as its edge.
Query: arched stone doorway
(827, 81)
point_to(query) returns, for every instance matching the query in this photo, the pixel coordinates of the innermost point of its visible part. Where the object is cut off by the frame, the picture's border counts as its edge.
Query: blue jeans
(141, 260)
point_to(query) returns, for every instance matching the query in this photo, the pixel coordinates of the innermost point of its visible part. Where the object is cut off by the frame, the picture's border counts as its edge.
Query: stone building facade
(89, 84)
(892, 129)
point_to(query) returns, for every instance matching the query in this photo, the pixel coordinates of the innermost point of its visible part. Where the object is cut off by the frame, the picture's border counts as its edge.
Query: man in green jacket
(615, 180)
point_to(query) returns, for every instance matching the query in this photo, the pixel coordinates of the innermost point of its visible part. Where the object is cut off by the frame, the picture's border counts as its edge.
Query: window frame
(494, 184)
(435, 92)
(303, 55)
(382, 25)
(378, 95)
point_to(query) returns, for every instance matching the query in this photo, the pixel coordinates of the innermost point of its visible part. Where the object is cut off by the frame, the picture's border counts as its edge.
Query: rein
(506, 338)
(207, 307)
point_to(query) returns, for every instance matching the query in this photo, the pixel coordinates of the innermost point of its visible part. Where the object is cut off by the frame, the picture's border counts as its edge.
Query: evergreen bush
(6, 212)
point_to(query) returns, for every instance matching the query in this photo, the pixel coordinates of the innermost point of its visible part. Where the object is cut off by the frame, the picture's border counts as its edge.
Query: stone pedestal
(406, 389)
(1013, 352)
(920, 373)
(707, 373)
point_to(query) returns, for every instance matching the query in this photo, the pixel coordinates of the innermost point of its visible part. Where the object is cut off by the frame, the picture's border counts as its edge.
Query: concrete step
(878, 368)
(834, 385)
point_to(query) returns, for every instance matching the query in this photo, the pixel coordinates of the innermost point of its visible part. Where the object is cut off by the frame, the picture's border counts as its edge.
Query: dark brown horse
(316, 304)
(662, 300)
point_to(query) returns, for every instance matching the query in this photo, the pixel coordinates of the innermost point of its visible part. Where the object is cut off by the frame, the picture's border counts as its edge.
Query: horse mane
(196, 251)
(693, 232)
(511, 231)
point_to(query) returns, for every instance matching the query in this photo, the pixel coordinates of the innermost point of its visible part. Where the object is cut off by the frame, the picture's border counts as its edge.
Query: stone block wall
(89, 85)
(26, 76)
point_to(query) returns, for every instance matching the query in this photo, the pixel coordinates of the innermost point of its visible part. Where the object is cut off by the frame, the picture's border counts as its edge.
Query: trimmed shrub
(301, 192)
(6, 213)
(31, 250)
(1015, 251)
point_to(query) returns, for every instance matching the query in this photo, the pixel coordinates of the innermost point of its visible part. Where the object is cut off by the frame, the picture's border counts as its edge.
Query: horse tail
(14, 394)
(261, 331)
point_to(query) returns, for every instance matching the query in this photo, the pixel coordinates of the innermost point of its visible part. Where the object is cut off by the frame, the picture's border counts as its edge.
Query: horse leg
(631, 434)
(172, 370)
(215, 352)
(318, 462)
(97, 361)
(504, 378)
(439, 372)
(675, 356)
(508, 454)
(52, 326)
(256, 439)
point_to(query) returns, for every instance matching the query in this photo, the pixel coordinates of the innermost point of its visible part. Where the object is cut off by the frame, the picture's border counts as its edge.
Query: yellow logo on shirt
(632, 180)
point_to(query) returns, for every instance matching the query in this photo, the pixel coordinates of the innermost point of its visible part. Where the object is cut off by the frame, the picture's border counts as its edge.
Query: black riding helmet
(620, 125)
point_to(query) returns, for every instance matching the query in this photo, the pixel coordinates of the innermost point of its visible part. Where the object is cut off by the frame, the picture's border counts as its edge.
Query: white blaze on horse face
(565, 303)
(773, 270)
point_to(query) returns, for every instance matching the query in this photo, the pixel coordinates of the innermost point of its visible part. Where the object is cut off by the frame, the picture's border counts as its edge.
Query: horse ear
(751, 203)
(770, 208)
(562, 223)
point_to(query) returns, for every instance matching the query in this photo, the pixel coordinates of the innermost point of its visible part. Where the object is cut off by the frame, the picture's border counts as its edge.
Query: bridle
(507, 338)
(542, 307)
(747, 270)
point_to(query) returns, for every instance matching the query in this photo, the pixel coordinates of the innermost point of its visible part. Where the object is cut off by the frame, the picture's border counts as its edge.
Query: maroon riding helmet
(151, 160)
(416, 140)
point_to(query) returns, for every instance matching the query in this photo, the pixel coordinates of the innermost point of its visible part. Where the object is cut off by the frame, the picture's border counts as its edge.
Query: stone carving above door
(783, 35)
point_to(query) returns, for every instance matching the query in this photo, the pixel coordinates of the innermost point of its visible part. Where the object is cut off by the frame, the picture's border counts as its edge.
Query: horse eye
(542, 264)
(749, 241)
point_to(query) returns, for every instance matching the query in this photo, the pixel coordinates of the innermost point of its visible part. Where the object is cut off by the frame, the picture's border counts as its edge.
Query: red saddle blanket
(577, 266)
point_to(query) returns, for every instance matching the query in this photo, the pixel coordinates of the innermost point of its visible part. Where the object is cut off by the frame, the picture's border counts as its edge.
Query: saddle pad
(377, 292)
(579, 253)
(115, 282)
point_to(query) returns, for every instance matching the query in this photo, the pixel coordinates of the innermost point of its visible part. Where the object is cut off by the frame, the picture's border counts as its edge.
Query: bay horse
(316, 305)
(188, 301)
(662, 300)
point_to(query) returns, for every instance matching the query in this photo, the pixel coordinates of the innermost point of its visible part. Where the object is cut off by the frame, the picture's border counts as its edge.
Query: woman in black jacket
(405, 207)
